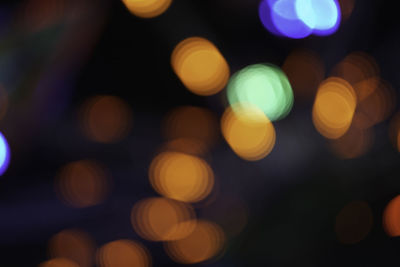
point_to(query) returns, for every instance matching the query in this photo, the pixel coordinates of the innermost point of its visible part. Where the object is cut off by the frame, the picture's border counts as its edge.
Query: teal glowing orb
(262, 85)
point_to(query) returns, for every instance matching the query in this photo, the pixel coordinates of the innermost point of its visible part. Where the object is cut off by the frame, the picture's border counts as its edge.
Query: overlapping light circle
(162, 219)
(264, 86)
(200, 66)
(181, 176)
(147, 8)
(248, 131)
(4, 154)
(299, 18)
(123, 253)
(334, 107)
(205, 242)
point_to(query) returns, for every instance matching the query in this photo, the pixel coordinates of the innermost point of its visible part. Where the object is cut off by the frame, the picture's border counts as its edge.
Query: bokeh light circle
(334, 108)
(59, 262)
(82, 184)
(123, 253)
(147, 8)
(181, 176)
(205, 242)
(298, 19)
(191, 129)
(74, 245)
(162, 219)
(391, 217)
(5, 154)
(200, 66)
(323, 16)
(262, 85)
(106, 119)
(248, 131)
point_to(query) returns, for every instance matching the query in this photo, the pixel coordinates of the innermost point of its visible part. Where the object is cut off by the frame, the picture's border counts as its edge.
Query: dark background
(293, 195)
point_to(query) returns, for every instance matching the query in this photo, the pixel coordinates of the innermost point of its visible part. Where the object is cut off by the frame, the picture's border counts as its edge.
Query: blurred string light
(299, 18)
(248, 131)
(191, 130)
(123, 253)
(147, 8)
(200, 66)
(262, 85)
(162, 219)
(305, 71)
(74, 245)
(181, 176)
(334, 108)
(391, 217)
(106, 119)
(82, 184)
(59, 262)
(205, 242)
(354, 222)
(4, 154)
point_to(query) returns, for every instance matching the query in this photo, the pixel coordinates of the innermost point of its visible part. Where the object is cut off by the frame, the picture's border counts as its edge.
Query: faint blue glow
(4, 154)
(299, 18)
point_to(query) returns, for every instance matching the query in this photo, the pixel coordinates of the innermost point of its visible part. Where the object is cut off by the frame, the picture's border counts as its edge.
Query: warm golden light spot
(205, 242)
(305, 71)
(248, 131)
(147, 8)
(74, 245)
(354, 222)
(192, 130)
(82, 184)
(181, 176)
(106, 119)
(353, 144)
(123, 253)
(200, 66)
(59, 262)
(162, 219)
(391, 217)
(334, 108)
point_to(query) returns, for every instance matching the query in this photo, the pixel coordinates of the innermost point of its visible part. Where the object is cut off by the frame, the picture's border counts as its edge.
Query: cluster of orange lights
(346, 107)
(200, 66)
(248, 131)
(349, 103)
